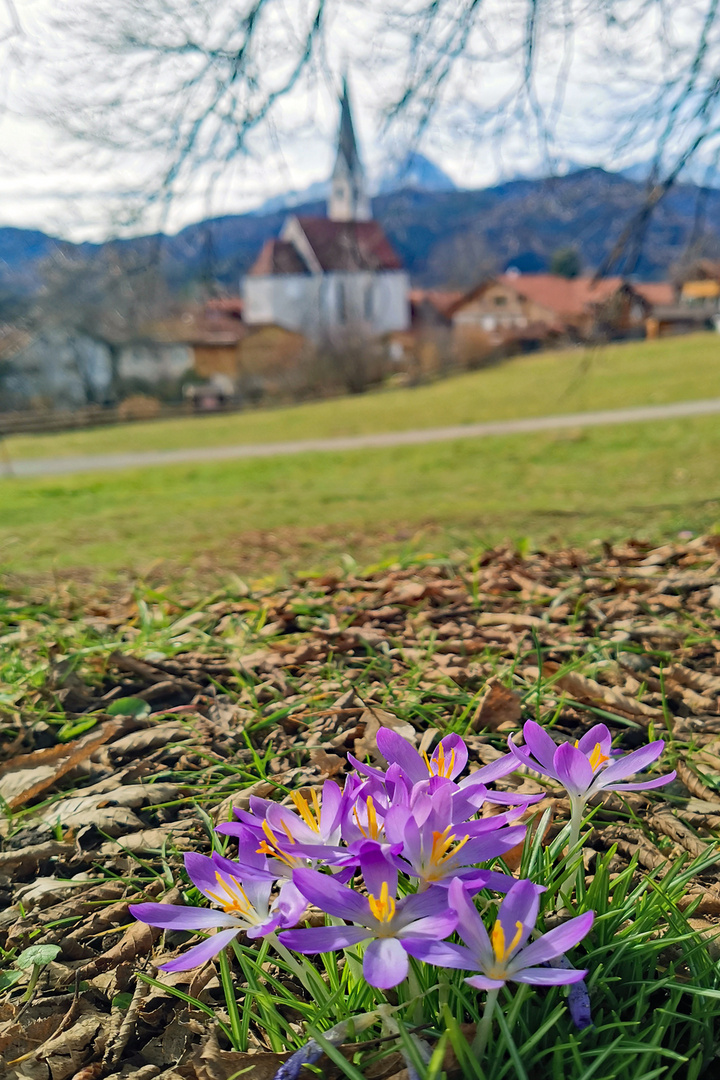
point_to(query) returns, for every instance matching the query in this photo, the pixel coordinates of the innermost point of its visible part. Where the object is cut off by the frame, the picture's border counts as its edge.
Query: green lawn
(634, 373)
(302, 511)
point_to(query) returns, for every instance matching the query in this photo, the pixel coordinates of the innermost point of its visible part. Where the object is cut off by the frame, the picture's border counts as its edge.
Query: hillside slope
(444, 237)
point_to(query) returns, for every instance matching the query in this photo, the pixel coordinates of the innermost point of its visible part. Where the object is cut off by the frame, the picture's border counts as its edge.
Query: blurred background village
(228, 216)
(335, 296)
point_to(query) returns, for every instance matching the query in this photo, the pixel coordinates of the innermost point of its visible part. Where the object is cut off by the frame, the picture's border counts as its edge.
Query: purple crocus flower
(503, 955)
(387, 923)
(587, 766)
(447, 760)
(435, 849)
(246, 908)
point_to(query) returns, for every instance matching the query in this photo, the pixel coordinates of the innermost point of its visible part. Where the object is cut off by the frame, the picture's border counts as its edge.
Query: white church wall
(391, 291)
(292, 301)
(318, 304)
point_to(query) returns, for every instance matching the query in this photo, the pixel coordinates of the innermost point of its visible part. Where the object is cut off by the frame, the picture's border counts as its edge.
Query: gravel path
(144, 459)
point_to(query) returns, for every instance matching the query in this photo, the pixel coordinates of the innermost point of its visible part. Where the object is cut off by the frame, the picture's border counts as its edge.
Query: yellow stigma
(497, 939)
(231, 896)
(272, 848)
(310, 817)
(439, 766)
(444, 847)
(597, 758)
(383, 907)
(372, 831)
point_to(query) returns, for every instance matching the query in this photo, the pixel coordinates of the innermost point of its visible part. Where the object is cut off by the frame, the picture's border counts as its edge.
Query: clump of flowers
(396, 859)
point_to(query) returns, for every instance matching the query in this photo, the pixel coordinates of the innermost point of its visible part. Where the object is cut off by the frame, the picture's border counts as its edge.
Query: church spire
(348, 195)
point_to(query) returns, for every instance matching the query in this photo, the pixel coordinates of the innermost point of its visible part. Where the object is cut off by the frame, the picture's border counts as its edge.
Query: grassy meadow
(577, 380)
(302, 511)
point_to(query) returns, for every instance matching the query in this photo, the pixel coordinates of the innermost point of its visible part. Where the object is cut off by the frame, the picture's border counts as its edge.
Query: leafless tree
(185, 85)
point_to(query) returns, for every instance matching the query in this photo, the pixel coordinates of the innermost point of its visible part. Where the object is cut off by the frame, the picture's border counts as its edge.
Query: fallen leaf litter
(299, 676)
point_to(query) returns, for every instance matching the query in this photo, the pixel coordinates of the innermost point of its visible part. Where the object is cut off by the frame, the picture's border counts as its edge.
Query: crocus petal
(420, 905)
(489, 847)
(440, 953)
(258, 893)
(172, 917)
(524, 757)
(324, 892)
(434, 926)
(376, 871)
(644, 785)
(202, 872)
(398, 751)
(330, 807)
(631, 763)
(385, 963)
(556, 942)
(483, 982)
(475, 880)
(598, 735)
(487, 773)
(290, 905)
(248, 857)
(547, 976)
(451, 748)
(228, 868)
(200, 954)
(573, 769)
(320, 939)
(520, 907)
(366, 770)
(470, 926)
(283, 821)
(539, 743)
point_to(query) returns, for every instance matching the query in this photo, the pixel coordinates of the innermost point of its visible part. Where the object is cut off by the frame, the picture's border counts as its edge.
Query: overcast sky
(54, 181)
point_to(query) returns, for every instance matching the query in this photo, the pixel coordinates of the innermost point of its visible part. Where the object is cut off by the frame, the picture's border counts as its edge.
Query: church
(334, 278)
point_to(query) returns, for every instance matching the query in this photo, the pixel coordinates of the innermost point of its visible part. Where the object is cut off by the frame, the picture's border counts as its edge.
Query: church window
(368, 303)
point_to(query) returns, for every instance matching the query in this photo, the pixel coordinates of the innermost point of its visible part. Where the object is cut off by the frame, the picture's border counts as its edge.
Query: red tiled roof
(656, 292)
(443, 301)
(349, 245)
(277, 257)
(227, 305)
(565, 296)
(196, 327)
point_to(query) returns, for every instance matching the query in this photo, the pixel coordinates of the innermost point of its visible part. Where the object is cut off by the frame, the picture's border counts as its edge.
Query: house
(202, 342)
(331, 279)
(519, 312)
(427, 348)
(700, 287)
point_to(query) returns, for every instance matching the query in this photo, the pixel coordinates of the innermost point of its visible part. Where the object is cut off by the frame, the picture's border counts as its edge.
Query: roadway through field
(145, 459)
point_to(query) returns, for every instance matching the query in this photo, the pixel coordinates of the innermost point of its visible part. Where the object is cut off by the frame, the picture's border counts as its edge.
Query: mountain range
(445, 236)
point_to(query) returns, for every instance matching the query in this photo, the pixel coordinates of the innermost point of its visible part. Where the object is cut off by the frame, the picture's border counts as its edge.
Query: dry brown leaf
(327, 764)
(585, 689)
(211, 1063)
(137, 940)
(24, 860)
(25, 777)
(110, 811)
(499, 709)
(374, 719)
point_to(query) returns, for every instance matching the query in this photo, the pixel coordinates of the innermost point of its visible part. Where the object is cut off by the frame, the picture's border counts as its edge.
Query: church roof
(277, 257)
(347, 143)
(349, 245)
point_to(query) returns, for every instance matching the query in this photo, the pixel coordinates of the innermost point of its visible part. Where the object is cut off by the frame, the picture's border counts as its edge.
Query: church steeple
(348, 195)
